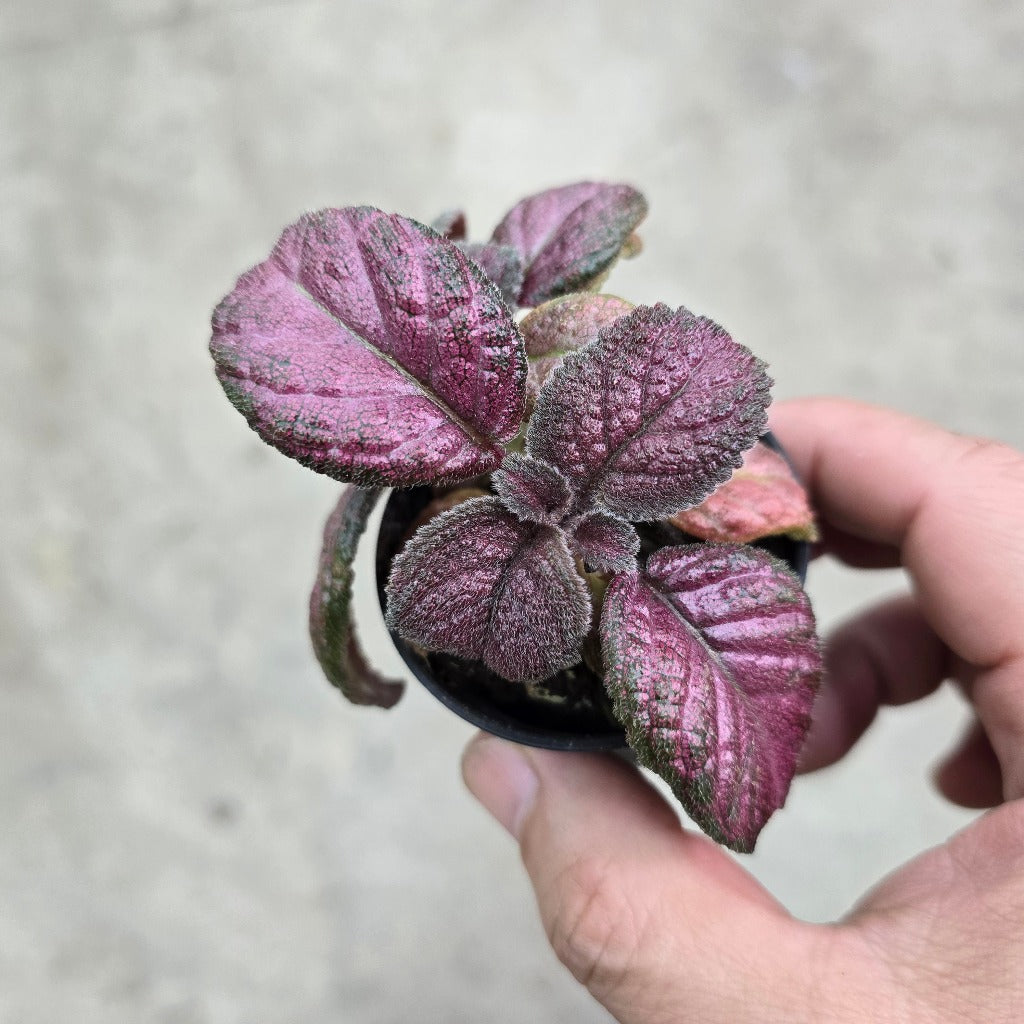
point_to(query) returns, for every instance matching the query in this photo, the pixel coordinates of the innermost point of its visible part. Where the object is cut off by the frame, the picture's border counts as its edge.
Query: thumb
(657, 922)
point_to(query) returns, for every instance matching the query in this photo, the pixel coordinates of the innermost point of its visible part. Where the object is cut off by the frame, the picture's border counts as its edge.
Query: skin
(661, 925)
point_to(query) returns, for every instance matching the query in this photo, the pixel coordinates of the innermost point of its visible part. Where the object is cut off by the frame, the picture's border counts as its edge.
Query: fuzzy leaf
(372, 350)
(560, 326)
(501, 263)
(569, 236)
(478, 583)
(330, 624)
(653, 416)
(712, 663)
(451, 225)
(570, 322)
(761, 499)
(607, 543)
(532, 489)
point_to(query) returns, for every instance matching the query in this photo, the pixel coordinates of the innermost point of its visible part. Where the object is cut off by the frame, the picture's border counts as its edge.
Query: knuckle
(994, 457)
(595, 930)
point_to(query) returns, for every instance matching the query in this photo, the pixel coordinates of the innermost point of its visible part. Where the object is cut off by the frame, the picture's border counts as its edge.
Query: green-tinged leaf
(330, 606)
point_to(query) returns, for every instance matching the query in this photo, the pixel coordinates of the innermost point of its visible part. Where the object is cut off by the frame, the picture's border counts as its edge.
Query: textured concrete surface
(193, 828)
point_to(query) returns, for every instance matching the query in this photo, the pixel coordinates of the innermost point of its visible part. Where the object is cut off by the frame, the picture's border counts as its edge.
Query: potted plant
(576, 494)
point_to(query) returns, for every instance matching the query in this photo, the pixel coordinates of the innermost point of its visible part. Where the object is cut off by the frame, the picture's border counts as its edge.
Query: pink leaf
(653, 416)
(501, 264)
(712, 662)
(478, 583)
(607, 543)
(532, 489)
(569, 236)
(570, 322)
(330, 625)
(560, 326)
(761, 499)
(372, 350)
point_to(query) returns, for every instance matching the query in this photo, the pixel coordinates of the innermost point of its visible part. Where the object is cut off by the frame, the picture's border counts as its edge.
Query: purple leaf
(532, 489)
(712, 663)
(561, 326)
(653, 416)
(372, 350)
(607, 542)
(569, 237)
(330, 625)
(501, 263)
(451, 225)
(761, 499)
(478, 583)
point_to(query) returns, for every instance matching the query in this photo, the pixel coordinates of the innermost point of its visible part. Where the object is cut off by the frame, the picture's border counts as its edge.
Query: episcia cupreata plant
(385, 353)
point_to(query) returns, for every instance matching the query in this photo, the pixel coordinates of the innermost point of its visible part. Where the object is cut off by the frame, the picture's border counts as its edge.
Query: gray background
(192, 827)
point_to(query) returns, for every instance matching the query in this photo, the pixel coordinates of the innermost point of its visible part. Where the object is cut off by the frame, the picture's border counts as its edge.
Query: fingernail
(501, 777)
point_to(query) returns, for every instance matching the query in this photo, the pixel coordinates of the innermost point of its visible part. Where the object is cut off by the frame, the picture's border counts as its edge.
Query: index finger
(952, 505)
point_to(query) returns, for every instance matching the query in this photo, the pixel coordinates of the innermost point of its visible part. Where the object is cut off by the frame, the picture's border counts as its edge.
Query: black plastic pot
(570, 711)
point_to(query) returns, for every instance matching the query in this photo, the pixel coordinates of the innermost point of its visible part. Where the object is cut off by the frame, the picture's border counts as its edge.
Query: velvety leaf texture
(370, 349)
(569, 237)
(653, 416)
(501, 264)
(479, 583)
(761, 499)
(607, 542)
(561, 326)
(712, 663)
(532, 489)
(330, 624)
(570, 322)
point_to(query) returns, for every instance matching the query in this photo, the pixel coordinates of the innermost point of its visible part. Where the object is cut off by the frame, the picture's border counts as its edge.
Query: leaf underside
(371, 349)
(479, 583)
(712, 663)
(330, 606)
(568, 237)
(653, 416)
(761, 499)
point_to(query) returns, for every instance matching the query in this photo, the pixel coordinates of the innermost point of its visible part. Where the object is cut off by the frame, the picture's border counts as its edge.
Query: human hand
(662, 925)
